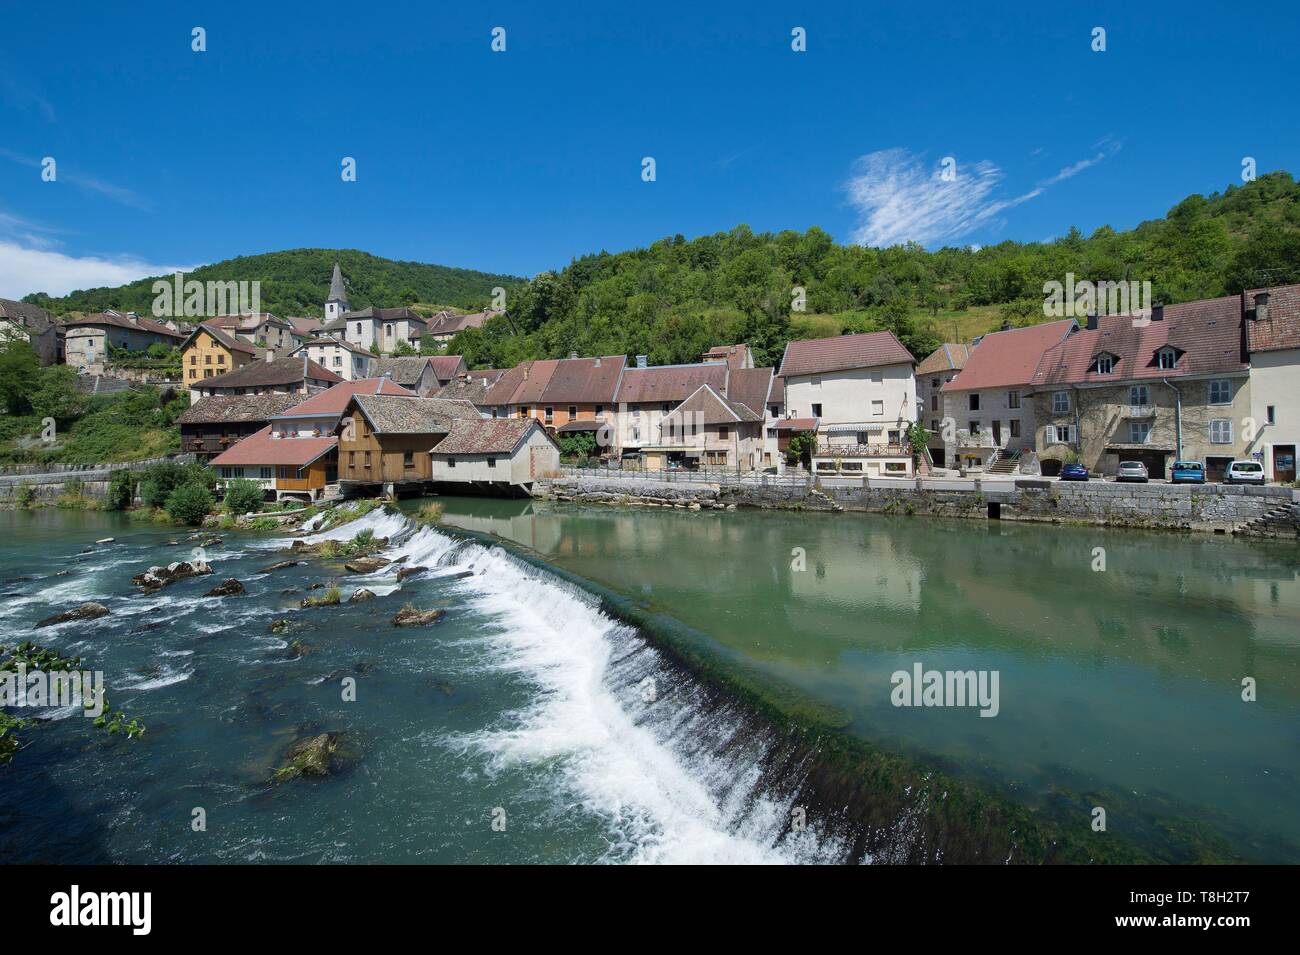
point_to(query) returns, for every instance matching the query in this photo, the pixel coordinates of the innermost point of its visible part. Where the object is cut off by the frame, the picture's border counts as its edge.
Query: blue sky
(517, 161)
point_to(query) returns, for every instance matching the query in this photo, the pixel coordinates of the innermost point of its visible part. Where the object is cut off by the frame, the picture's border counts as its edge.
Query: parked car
(1187, 472)
(1245, 472)
(1132, 471)
(1074, 472)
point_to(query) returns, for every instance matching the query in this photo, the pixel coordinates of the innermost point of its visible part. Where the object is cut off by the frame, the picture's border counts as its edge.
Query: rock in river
(87, 611)
(319, 755)
(230, 588)
(364, 565)
(360, 595)
(410, 616)
(409, 572)
(155, 578)
(279, 565)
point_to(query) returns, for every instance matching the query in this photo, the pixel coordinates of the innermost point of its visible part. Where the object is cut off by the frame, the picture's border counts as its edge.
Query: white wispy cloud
(84, 182)
(24, 269)
(902, 198)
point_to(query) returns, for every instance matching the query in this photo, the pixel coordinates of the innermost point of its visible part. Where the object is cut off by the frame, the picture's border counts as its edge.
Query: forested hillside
(296, 282)
(678, 297)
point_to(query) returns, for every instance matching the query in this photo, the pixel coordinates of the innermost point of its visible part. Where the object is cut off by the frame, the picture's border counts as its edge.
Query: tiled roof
(584, 380)
(537, 375)
(1009, 358)
(261, 448)
(751, 387)
(777, 395)
(119, 320)
(230, 341)
(1207, 335)
(404, 371)
(228, 409)
(29, 316)
(1282, 327)
(503, 389)
(446, 367)
(733, 356)
(305, 326)
(947, 357)
(819, 355)
(333, 400)
(281, 371)
(444, 323)
(486, 436)
(390, 415)
(709, 407)
(472, 386)
(797, 424)
(669, 383)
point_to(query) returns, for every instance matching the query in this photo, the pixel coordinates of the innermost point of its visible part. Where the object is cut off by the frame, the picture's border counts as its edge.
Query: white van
(1245, 472)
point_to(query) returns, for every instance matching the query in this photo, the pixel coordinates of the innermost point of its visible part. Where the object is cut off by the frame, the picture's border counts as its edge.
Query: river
(530, 726)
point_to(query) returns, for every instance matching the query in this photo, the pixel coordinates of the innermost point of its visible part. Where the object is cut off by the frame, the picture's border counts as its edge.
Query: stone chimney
(1261, 306)
(1093, 320)
(641, 360)
(1158, 312)
(573, 355)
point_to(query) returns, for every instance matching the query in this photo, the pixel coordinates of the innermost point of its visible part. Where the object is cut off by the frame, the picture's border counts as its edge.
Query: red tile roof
(709, 407)
(751, 387)
(334, 399)
(230, 341)
(446, 367)
(797, 424)
(230, 409)
(260, 448)
(1010, 358)
(537, 375)
(1282, 327)
(669, 383)
(584, 380)
(1207, 335)
(867, 350)
(947, 357)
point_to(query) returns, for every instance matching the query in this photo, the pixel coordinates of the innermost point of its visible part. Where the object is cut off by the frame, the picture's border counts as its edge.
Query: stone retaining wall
(1210, 507)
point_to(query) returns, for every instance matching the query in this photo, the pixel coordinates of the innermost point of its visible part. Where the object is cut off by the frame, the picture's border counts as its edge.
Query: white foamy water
(638, 765)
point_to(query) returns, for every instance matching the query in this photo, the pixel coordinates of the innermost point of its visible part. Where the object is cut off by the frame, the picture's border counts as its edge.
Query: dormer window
(1104, 364)
(1167, 358)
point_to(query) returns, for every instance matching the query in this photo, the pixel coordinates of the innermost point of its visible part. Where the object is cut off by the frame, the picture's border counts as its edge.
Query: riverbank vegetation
(49, 419)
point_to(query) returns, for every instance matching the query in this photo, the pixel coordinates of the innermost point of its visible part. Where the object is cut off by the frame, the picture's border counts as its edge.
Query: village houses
(350, 362)
(1272, 321)
(89, 341)
(285, 376)
(936, 370)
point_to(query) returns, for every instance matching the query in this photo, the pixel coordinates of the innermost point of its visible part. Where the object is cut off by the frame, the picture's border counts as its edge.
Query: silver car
(1132, 471)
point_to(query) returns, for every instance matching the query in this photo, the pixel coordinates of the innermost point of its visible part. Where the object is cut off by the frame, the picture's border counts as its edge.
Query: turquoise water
(527, 704)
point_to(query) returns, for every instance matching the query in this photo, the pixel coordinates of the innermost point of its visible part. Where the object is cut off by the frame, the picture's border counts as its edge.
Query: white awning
(854, 428)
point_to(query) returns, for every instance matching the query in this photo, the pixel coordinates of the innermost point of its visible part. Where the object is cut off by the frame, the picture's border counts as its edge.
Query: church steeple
(337, 303)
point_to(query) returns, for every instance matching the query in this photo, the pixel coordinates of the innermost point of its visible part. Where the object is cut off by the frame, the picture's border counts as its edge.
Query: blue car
(1187, 472)
(1074, 472)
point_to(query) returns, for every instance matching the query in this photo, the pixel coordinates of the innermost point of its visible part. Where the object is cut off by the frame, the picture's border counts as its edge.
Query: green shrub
(243, 495)
(189, 503)
(121, 490)
(25, 496)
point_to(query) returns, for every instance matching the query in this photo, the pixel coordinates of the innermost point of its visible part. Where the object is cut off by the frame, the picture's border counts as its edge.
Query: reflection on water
(1123, 683)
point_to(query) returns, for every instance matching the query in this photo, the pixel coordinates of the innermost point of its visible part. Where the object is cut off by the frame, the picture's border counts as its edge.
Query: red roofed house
(1273, 343)
(990, 418)
(710, 430)
(646, 395)
(495, 452)
(296, 454)
(862, 391)
(1172, 385)
(283, 376)
(935, 371)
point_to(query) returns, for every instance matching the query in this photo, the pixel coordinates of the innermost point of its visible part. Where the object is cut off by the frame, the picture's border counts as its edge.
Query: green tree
(19, 367)
(243, 496)
(189, 503)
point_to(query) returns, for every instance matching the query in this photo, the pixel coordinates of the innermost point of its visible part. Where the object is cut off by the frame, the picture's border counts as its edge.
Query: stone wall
(1210, 507)
(49, 481)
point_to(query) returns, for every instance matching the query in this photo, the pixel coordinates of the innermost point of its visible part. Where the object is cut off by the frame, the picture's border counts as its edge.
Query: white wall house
(861, 389)
(512, 451)
(350, 362)
(1273, 340)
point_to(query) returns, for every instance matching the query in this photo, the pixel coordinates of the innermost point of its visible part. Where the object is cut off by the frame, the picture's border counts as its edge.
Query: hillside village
(359, 400)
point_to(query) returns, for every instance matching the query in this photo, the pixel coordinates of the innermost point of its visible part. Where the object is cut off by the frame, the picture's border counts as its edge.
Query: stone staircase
(1006, 463)
(1283, 521)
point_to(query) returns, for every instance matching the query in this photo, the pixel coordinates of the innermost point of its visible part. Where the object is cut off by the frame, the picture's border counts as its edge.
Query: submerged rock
(409, 572)
(360, 595)
(364, 565)
(87, 611)
(414, 617)
(279, 626)
(279, 565)
(321, 755)
(155, 578)
(230, 588)
(297, 649)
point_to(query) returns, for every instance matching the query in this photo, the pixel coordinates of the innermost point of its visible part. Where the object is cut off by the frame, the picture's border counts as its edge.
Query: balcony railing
(1139, 411)
(862, 451)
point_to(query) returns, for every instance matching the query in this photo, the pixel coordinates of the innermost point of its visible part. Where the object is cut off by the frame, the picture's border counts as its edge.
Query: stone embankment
(48, 481)
(1252, 511)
